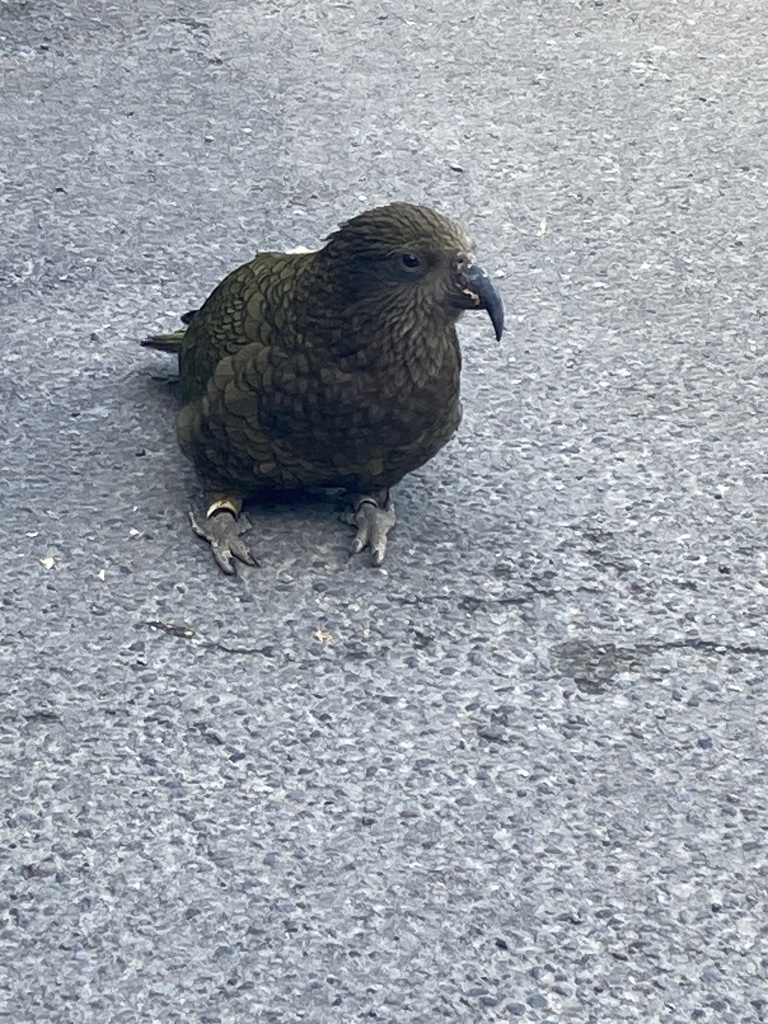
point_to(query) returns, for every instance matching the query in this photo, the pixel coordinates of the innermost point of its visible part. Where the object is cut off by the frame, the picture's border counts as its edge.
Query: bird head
(410, 263)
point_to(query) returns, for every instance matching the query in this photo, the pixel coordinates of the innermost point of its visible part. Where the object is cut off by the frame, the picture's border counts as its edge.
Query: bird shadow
(299, 502)
(164, 385)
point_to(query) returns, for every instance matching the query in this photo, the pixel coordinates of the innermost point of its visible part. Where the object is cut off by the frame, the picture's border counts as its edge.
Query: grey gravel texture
(519, 774)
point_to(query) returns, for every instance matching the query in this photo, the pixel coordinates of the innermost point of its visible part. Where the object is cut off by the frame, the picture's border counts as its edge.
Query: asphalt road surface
(519, 774)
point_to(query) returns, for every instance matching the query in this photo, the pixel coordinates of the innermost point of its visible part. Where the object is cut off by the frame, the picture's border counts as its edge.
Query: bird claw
(222, 531)
(373, 522)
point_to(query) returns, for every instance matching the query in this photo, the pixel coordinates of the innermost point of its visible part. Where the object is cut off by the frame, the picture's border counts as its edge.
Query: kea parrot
(337, 368)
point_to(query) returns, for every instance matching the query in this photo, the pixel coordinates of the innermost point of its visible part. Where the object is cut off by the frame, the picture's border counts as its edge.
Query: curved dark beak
(480, 293)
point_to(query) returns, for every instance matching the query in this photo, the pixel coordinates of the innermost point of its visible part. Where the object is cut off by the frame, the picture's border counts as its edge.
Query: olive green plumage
(336, 368)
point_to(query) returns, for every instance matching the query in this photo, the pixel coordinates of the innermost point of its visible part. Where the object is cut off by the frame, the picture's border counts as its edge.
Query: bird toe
(223, 532)
(373, 523)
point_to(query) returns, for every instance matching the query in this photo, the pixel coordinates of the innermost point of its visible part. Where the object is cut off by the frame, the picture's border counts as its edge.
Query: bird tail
(165, 342)
(170, 342)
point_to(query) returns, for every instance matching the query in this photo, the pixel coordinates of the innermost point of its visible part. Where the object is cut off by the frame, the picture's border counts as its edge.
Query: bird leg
(373, 517)
(222, 527)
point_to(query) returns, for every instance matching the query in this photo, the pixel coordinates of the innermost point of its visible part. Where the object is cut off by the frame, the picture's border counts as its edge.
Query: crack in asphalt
(184, 632)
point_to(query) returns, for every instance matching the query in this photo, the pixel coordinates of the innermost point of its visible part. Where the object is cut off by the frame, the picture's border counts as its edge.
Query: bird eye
(410, 261)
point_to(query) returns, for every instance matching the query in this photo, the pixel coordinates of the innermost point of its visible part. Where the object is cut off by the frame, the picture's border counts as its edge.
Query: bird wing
(245, 309)
(239, 364)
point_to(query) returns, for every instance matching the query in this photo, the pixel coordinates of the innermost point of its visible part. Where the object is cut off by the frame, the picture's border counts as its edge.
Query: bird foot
(222, 530)
(373, 522)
